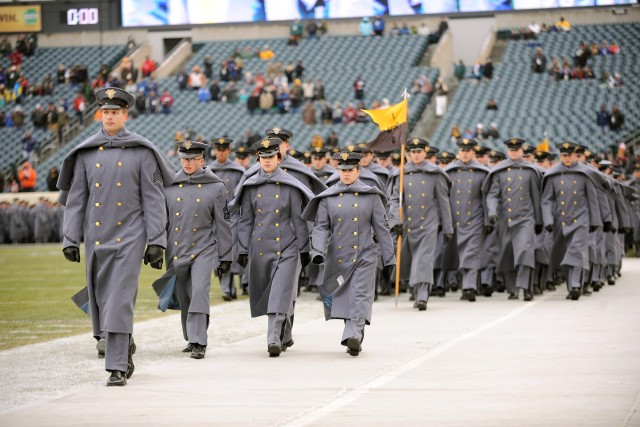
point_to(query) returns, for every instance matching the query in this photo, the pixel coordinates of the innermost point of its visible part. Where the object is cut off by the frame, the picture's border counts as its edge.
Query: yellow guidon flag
(392, 122)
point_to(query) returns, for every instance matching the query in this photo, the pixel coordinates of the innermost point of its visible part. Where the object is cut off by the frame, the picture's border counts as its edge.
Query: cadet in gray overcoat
(199, 232)
(462, 254)
(230, 173)
(513, 203)
(273, 241)
(570, 207)
(426, 209)
(112, 189)
(348, 218)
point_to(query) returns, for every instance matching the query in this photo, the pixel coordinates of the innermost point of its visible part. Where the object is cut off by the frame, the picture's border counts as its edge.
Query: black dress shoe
(101, 347)
(574, 294)
(455, 287)
(274, 350)
(528, 296)
(421, 305)
(117, 378)
(550, 286)
(487, 290)
(385, 293)
(226, 296)
(412, 298)
(513, 296)
(353, 346)
(586, 290)
(611, 281)
(501, 288)
(595, 286)
(198, 351)
(188, 348)
(441, 292)
(286, 345)
(537, 290)
(245, 291)
(130, 366)
(468, 295)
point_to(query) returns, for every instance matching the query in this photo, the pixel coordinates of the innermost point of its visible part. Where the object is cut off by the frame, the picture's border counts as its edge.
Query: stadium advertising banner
(20, 19)
(144, 13)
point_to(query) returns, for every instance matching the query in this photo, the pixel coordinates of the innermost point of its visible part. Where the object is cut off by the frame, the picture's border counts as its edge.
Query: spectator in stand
(266, 54)
(534, 27)
(477, 70)
(441, 90)
(491, 105)
(604, 49)
(308, 90)
(538, 61)
(404, 30)
(578, 73)
(443, 26)
(52, 179)
(332, 139)
(183, 79)
(267, 100)
(563, 25)
(79, 106)
(153, 102)
(148, 67)
(309, 114)
(423, 30)
(61, 72)
(29, 145)
(322, 28)
(253, 102)
(214, 91)
(52, 117)
(460, 71)
(365, 27)
(283, 100)
(141, 102)
(318, 90)
(395, 30)
(616, 81)
(17, 116)
(229, 93)
(326, 115)
(197, 79)
(292, 41)
(479, 132)
(582, 55)
(337, 112)
(204, 95)
(588, 73)
(616, 121)
(378, 26)
(614, 49)
(295, 30)
(5, 47)
(128, 71)
(15, 58)
(361, 116)
(298, 69)
(487, 69)
(38, 118)
(166, 101)
(208, 62)
(492, 132)
(350, 114)
(312, 30)
(455, 133)
(358, 87)
(602, 118)
(27, 176)
(296, 95)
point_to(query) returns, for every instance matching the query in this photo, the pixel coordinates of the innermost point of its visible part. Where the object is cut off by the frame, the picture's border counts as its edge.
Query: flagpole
(399, 239)
(405, 95)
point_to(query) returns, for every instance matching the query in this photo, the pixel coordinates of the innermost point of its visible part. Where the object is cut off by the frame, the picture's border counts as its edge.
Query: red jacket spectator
(350, 114)
(148, 67)
(166, 100)
(15, 58)
(79, 103)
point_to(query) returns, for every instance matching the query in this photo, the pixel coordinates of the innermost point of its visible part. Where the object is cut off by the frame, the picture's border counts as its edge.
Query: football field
(35, 295)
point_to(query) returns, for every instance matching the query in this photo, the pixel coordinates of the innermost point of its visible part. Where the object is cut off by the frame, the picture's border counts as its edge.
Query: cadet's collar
(196, 174)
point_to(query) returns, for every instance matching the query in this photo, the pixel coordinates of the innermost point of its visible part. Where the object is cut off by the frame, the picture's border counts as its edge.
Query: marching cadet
(199, 232)
(368, 163)
(513, 204)
(43, 221)
(432, 154)
(332, 161)
(383, 158)
(273, 241)
(230, 173)
(592, 278)
(319, 165)
(112, 189)
(542, 274)
(490, 245)
(482, 155)
(243, 157)
(570, 207)
(348, 218)
(396, 159)
(366, 175)
(634, 183)
(445, 158)
(426, 209)
(462, 254)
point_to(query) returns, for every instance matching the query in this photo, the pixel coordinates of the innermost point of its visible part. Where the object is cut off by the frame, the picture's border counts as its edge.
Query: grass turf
(35, 295)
